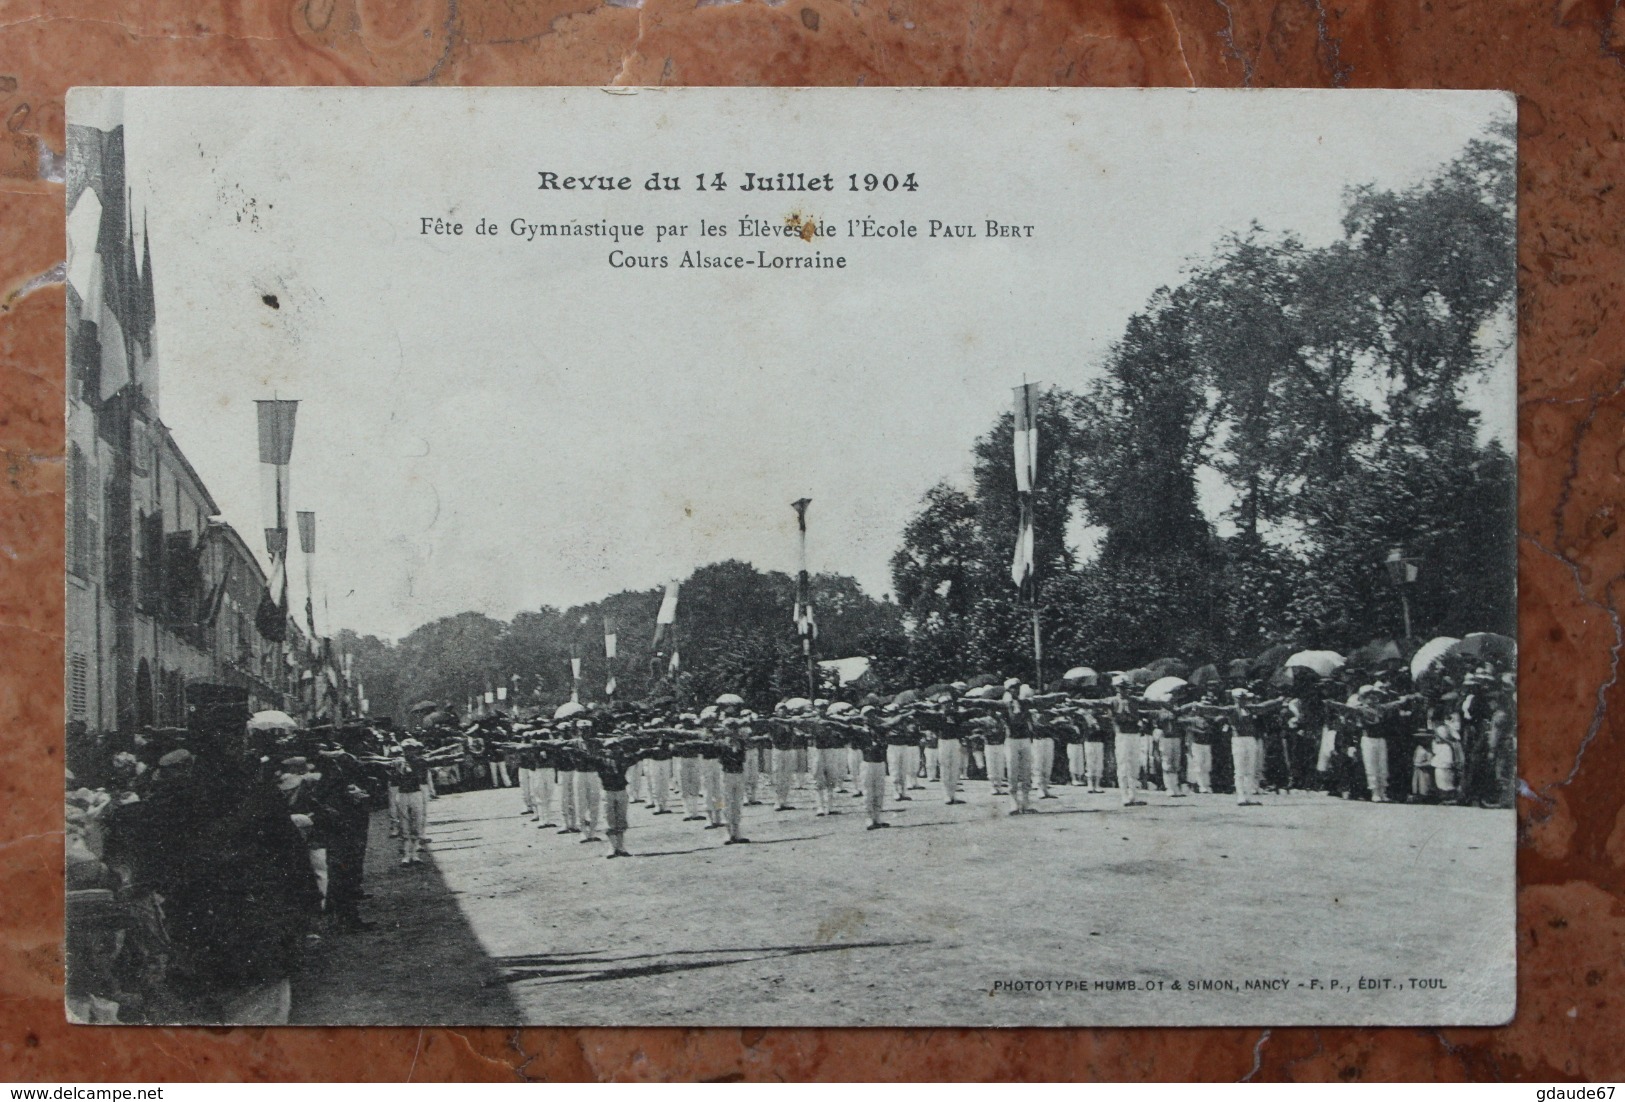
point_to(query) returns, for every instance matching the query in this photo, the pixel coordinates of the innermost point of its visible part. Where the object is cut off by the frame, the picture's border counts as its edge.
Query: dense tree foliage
(1323, 388)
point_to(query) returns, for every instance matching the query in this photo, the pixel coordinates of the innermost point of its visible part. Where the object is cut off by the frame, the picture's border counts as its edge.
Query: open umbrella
(986, 692)
(1237, 669)
(1294, 677)
(1081, 673)
(982, 679)
(937, 689)
(907, 696)
(1322, 662)
(1429, 654)
(797, 704)
(567, 709)
(1170, 667)
(423, 706)
(1206, 675)
(272, 720)
(1377, 654)
(1144, 675)
(1271, 659)
(1485, 644)
(731, 698)
(1163, 689)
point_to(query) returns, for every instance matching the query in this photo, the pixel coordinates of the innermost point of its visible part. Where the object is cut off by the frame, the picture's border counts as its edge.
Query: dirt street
(1185, 911)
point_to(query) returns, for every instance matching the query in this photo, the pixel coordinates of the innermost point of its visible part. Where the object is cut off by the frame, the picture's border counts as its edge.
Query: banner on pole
(276, 417)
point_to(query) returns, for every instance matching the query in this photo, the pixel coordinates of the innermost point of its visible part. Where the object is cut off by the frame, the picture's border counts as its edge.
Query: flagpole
(804, 613)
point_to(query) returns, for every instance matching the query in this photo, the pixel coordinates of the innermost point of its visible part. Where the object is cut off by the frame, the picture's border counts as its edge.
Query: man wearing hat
(870, 738)
(1125, 721)
(657, 768)
(829, 748)
(733, 751)
(1018, 747)
(942, 722)
(412, 771)
(589, 789)
(782, 758)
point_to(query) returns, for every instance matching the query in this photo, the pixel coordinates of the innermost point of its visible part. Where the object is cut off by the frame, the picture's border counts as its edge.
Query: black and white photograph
(790, 557)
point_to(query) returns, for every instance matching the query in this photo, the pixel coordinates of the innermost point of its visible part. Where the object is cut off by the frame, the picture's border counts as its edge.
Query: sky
(495, 424)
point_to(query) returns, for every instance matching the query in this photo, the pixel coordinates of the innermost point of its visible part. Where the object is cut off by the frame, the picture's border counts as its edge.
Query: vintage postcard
(790, 557)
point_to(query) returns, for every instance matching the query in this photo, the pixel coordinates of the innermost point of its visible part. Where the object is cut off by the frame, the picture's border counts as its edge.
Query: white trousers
(897, 766)
(874, 789)
(1043, 762)
(784, 774)
(588, 791)
(1244, 752)
(951, 758)
(996, 765)
(1074, 760)
(658, 772)
(711, 776)
(1018, 757)
(1200, 767)
(933, 762)
(1094, 762)
(567, 799)
(826, 767)
(414, 822)
(1128, 764)
(1374, 755)
(1172, 750)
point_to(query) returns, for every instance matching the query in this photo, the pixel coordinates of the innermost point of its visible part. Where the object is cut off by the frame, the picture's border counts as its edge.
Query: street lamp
(1402, 572)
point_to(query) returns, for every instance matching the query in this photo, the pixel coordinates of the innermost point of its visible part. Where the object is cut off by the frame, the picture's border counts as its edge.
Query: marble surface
(1565, 58)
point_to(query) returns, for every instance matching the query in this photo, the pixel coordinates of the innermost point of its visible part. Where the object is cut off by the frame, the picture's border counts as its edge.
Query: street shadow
(421, 964)
(552, 968)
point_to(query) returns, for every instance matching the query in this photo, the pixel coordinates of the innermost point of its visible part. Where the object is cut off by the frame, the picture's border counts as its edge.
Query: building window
(78, 685)
(82, 533)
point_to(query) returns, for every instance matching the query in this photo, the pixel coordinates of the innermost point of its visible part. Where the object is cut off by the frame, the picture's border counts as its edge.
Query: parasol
(272, 721)
(1485, 644)
(731, 698)
(1206, 675)
(1170, 667)
(1430, 653)
(1163, 689)
(907, 696)
(1081, 673)
(1271, 659)
(1323, 662)
(567, 709)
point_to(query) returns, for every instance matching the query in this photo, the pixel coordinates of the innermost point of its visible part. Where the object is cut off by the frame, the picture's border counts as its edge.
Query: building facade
(161, 593)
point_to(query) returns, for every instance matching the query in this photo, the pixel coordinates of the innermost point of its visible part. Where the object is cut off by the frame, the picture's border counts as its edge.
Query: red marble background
(1565, 59)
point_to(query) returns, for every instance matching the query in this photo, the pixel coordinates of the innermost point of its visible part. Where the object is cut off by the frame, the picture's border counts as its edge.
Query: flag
(211, 607)
(271, 618)
(489, 697)
(575, 668)
(668, 612)
(307, 547)
(609, 686)
(1021, 566)
(502, 692)
(806, 625)
(1025, 437)
(276, 417)
(609, 640)
(675, 666)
